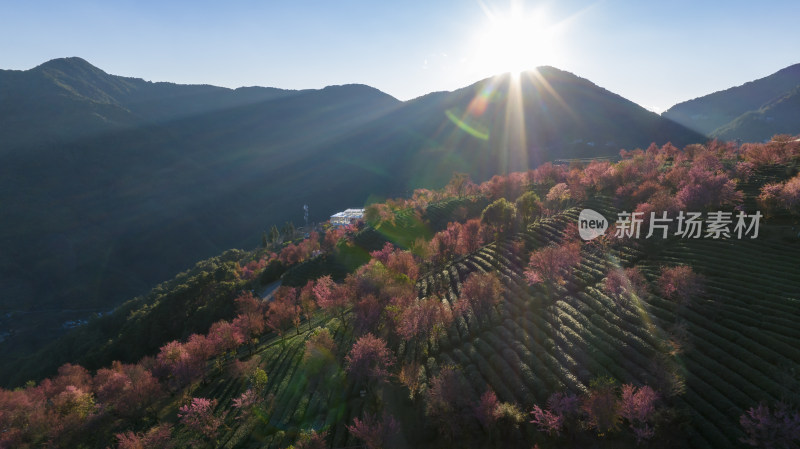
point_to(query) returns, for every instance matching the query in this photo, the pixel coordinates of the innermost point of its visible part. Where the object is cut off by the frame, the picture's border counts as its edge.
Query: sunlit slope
(740, 339)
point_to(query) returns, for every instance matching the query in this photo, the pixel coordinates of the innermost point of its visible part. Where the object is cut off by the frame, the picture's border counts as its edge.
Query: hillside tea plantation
(475, 316)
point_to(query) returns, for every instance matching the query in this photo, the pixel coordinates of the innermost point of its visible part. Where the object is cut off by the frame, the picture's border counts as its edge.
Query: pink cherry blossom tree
(369, 359)
(680, 283)
(373, 431)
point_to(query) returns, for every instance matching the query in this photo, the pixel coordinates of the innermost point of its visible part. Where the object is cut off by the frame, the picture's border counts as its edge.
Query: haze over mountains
(110, 184)
(754, 111)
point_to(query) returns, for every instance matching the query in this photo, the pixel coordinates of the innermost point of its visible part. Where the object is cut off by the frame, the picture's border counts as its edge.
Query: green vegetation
(613, 342)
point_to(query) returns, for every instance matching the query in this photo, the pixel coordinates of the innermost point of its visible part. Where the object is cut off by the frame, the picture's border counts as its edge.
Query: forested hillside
(103, 175)
(473, 315)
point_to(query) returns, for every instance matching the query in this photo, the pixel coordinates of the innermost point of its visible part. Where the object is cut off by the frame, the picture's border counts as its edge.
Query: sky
(653, 53)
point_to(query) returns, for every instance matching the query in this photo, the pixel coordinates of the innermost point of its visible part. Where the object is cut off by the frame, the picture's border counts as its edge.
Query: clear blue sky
(653, 53)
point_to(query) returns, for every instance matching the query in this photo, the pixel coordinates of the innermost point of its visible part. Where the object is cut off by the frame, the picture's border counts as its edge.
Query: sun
(515, 41)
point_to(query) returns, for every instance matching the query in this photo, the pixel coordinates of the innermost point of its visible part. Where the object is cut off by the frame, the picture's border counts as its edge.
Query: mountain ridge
(102, 177)
(710, 113)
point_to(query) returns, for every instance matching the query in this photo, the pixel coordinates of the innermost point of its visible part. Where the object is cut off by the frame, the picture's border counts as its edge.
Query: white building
(347, 217)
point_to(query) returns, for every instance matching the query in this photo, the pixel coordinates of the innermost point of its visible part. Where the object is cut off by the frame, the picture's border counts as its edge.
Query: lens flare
(515, 41)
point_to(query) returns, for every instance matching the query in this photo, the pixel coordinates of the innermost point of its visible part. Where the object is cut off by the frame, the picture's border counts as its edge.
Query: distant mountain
(754, 111)
(65, 99)
(476, 129)
(780, 116)
(110, 184)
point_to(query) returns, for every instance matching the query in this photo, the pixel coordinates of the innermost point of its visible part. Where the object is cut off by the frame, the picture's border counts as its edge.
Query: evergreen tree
(274, 235)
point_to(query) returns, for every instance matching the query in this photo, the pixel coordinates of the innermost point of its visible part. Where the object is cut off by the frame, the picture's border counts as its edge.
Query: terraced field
(294, 399)
(742, 343)
(740, 346)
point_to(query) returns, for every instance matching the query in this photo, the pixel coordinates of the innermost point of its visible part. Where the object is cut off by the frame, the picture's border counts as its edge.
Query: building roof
(349, 213)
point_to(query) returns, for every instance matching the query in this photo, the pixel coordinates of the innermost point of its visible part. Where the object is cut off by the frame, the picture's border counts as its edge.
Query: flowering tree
(628, 281)
(781, 149)
(637, 405)
(158, 437)
(680, 283)
(422, 318)
(252, 268)
(784, 196)
(367, 312)
(561, 408)
(702, 190)
(284, 311)
(403, 262)
(547, 174)
(457, 184)
(547, 265)
(371, 288)
(225, 337)
(764, 427)
(547, 421)
(507, 187)
(499, 416)
(564, 404)
(68, 374)
(769, 198)
(601, 407)
(598, 175)
(577, 184)
(472, 236)
(250, 318)
(369, 359)
(291, 254)
(126, 389)
(370, 279)
(200, 348)
(374, 432)
(198, 417)
(443, 246)
(331, 239)
(449, 403)
(247, 303)
(558, 195)
(175, 364)
(74, 401)
(332, 297)
(481, 292)
(486, 410)
(245, 402)
(308, 302)
(383, 254)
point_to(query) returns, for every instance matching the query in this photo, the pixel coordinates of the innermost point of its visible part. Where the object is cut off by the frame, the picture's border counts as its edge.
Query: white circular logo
(591, 224)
